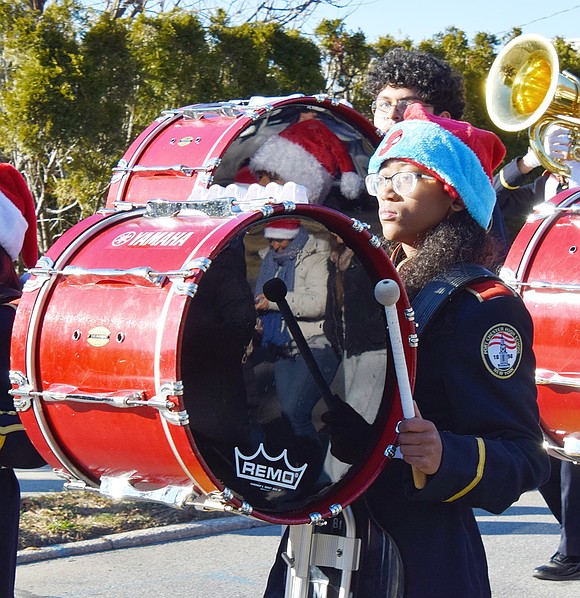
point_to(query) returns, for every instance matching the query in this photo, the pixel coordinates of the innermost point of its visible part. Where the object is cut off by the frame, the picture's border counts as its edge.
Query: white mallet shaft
(387, 293)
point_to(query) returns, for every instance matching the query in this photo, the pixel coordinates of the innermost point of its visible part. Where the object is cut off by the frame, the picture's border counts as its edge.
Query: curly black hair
(458, 239)
(435, 82)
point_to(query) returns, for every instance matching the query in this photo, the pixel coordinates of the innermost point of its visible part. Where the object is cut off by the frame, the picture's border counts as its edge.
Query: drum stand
(308, 550)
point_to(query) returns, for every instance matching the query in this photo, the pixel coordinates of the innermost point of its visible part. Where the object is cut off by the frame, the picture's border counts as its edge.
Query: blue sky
(424, 18)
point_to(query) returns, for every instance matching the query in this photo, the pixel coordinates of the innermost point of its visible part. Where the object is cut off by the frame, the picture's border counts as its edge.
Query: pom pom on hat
(17, 216)
(309, 154)
(456, 152)
(286, 229)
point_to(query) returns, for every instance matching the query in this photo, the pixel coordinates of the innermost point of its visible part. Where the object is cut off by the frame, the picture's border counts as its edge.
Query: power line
(560, 12)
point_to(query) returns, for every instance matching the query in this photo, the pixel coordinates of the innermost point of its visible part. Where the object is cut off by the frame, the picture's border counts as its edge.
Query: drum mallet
(275, 290)
(387, 293)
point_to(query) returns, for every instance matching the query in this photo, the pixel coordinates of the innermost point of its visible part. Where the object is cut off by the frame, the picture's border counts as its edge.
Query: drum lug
(167, 390)
(219, 501)
(267, 211)
(42, 271)
(21, 391)
(413, 341)
(316, 519)
(359, 226)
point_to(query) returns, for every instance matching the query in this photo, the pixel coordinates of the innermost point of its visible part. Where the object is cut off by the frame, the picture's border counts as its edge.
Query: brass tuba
(524, 88)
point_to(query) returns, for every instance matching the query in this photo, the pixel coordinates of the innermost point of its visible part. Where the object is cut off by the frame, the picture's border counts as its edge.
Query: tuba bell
(524, 89)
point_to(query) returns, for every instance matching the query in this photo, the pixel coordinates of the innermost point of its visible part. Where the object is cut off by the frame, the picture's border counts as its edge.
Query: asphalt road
(235, 562)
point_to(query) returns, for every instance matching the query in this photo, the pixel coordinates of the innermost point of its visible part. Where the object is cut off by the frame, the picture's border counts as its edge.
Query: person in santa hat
(475, 439)
(299, 259)
(308, 153)
(17, 237)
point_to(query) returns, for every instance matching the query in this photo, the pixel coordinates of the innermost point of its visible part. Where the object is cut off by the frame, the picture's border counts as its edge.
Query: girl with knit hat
(17, 237)
(475, 437)
(476, 433)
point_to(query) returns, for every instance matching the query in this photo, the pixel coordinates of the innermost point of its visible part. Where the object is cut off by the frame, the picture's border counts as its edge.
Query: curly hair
(458, 239)
(435, 82)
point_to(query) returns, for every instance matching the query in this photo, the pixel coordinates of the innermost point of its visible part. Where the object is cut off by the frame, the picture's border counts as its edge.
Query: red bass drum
(544, 265)
(137, 369)
(189, 149)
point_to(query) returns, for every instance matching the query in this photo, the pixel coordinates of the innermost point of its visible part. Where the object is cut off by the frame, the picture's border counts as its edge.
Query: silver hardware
(21, 394)
(413, 341)
(359, 226)
(178, 168)
(542, 285)
(335, 509)
(390, 451)
(336, 551)
(267, 211)
(116, 487)
(172, 389)
(161, 208)
(42, 271)
(136, 276)
(316, 519)
(186, 288)
(544, 377)
(375, 242)
(409, 314)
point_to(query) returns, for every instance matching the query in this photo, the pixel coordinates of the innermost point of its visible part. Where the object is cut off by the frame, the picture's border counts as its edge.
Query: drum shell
(543, 264)
(212, 142)
(136, 332)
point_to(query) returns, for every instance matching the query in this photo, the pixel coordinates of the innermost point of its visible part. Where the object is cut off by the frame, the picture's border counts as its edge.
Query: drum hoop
(33, 330)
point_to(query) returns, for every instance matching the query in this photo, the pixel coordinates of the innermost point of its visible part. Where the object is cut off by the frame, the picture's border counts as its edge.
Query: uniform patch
(501, 350)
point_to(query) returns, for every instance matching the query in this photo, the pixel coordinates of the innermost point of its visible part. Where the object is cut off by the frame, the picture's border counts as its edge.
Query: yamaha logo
(268, 471)
(152, 238)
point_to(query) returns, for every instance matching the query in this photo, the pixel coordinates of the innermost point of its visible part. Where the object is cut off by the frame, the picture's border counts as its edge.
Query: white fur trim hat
(310, 154)
(286, 229)
(17, 216)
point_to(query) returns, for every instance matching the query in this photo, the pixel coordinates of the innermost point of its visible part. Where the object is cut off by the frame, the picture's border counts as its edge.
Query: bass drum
(544, 266)
(137, 365)
(187, 150)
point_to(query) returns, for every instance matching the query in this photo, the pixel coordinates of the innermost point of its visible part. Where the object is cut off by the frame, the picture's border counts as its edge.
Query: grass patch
(70, 516)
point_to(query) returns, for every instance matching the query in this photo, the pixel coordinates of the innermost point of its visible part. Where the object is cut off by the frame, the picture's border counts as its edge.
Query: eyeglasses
(385, 107)
(403, 183)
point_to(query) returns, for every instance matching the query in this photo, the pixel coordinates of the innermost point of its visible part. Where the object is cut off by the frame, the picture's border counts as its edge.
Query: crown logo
(269, 471)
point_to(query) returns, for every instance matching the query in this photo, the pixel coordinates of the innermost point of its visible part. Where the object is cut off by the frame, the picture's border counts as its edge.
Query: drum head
(256, 397)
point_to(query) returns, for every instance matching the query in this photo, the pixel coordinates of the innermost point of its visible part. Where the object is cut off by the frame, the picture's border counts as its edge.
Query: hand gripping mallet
(387, 293)
(275, 290)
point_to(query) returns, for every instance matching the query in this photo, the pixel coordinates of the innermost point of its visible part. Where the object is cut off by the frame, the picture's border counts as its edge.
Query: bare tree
(284, 12)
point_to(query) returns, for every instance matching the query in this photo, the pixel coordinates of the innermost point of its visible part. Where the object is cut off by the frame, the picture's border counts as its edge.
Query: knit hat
(309, 154)
(282, 229)
(455, 152)
(17, 216)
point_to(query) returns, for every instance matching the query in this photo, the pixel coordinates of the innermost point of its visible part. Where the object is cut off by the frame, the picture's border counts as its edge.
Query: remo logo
(501, 350)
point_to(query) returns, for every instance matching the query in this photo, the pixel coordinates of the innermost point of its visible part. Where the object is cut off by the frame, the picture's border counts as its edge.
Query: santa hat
(17, 216)
(455, 152)
(309, 154)
(286, 229)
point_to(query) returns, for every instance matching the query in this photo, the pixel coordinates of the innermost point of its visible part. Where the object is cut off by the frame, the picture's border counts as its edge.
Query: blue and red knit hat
(455, 152)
